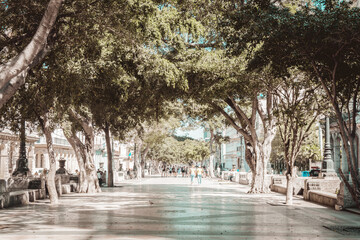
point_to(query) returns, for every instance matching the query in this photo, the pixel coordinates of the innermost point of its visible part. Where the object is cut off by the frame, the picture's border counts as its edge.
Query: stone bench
(321, 185)
(65, 188)
(18, 198)
(324, 198)
(278, 188)
(245, 178)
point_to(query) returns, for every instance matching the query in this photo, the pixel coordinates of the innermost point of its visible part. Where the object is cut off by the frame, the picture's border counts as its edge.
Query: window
(42, 161)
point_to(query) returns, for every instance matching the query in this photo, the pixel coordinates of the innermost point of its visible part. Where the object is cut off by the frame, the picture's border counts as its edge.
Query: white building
(38, 157)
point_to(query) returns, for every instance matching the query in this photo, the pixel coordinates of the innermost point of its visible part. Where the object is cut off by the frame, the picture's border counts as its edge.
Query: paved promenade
(171, 208)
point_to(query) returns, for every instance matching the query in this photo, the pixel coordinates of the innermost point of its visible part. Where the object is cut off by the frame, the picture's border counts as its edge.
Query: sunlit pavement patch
(175, 210)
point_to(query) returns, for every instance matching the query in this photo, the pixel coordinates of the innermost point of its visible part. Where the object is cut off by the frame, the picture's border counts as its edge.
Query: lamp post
(22, 168)
(328, 164)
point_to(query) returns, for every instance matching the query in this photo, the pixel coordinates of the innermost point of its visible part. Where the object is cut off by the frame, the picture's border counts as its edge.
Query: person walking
(199, 174)
(192, 173)
(99, 176)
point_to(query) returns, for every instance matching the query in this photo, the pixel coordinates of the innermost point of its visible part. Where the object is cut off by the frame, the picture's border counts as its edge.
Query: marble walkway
(171, 208)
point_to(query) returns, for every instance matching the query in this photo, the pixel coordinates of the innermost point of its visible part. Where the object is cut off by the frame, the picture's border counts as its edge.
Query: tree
(298, 109)
(40, 103)
(318, 43)
(14, 71)
(244, 99)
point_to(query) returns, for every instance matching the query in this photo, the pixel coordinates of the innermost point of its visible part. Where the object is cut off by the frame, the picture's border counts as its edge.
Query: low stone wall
(324, 198)
(278, 188)
(245, 178)
(279, 183)
(321, 185)
(23, 197)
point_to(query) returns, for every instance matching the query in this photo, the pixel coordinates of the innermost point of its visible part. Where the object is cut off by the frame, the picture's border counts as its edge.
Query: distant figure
(99, 176)
(36, 174)
(103, 177)
(77, 172)
(183, 171)
(163, 174)
(192, 173)
(232, 174)
(199, 171)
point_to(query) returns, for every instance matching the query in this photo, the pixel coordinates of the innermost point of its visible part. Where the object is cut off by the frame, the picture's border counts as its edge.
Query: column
(4, 160)
(46, 161)
(31, 157)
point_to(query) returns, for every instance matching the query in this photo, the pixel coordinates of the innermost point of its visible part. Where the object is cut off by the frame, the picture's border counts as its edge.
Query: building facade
(9, 152)
(231, 153)
(38, 157)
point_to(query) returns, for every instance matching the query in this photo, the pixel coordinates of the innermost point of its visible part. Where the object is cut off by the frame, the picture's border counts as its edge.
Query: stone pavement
(171, 208)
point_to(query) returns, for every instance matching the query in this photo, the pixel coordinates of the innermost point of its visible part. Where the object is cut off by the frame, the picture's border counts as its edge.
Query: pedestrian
(199, 174)
(192, 173)
(163, 174)
(99, 177)
(183, 171)
(103, 177)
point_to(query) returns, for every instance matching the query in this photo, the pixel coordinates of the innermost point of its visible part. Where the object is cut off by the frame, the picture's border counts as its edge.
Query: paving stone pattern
(171, 208)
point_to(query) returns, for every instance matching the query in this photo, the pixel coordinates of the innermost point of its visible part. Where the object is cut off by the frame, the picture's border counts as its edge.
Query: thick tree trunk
(290, 189)
(137, 166)
(143, 161)
(262, 156)
(22, 61)
(142, 164)
(74, 142)
(257, 184)
(50, 177)
(14, 72)
(289, 181)
(212, 153)
(158, 167)
(89, 182)
(110, 182)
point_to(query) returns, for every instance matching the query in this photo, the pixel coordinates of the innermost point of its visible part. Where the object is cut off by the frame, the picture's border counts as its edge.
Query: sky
(197, 133)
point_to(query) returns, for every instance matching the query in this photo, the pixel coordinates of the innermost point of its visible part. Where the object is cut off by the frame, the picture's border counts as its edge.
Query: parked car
(314, 172)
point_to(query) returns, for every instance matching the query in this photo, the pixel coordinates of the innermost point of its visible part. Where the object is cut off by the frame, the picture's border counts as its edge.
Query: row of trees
(266, 66)
(97, 73)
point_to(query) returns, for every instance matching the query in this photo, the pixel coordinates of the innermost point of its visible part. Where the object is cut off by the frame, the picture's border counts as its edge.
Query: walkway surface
(171, 208)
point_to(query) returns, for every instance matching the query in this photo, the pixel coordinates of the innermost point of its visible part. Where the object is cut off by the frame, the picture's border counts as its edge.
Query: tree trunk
(212, 153)
(211, 167)
(110, 182)
(262, 155)
(289, 181)
(19, 65)
(89, 182)
(158, 167)
(50, 177)
(143, 160)
(76, 145)
(142, 163)
(257, 184)
(137, 166)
